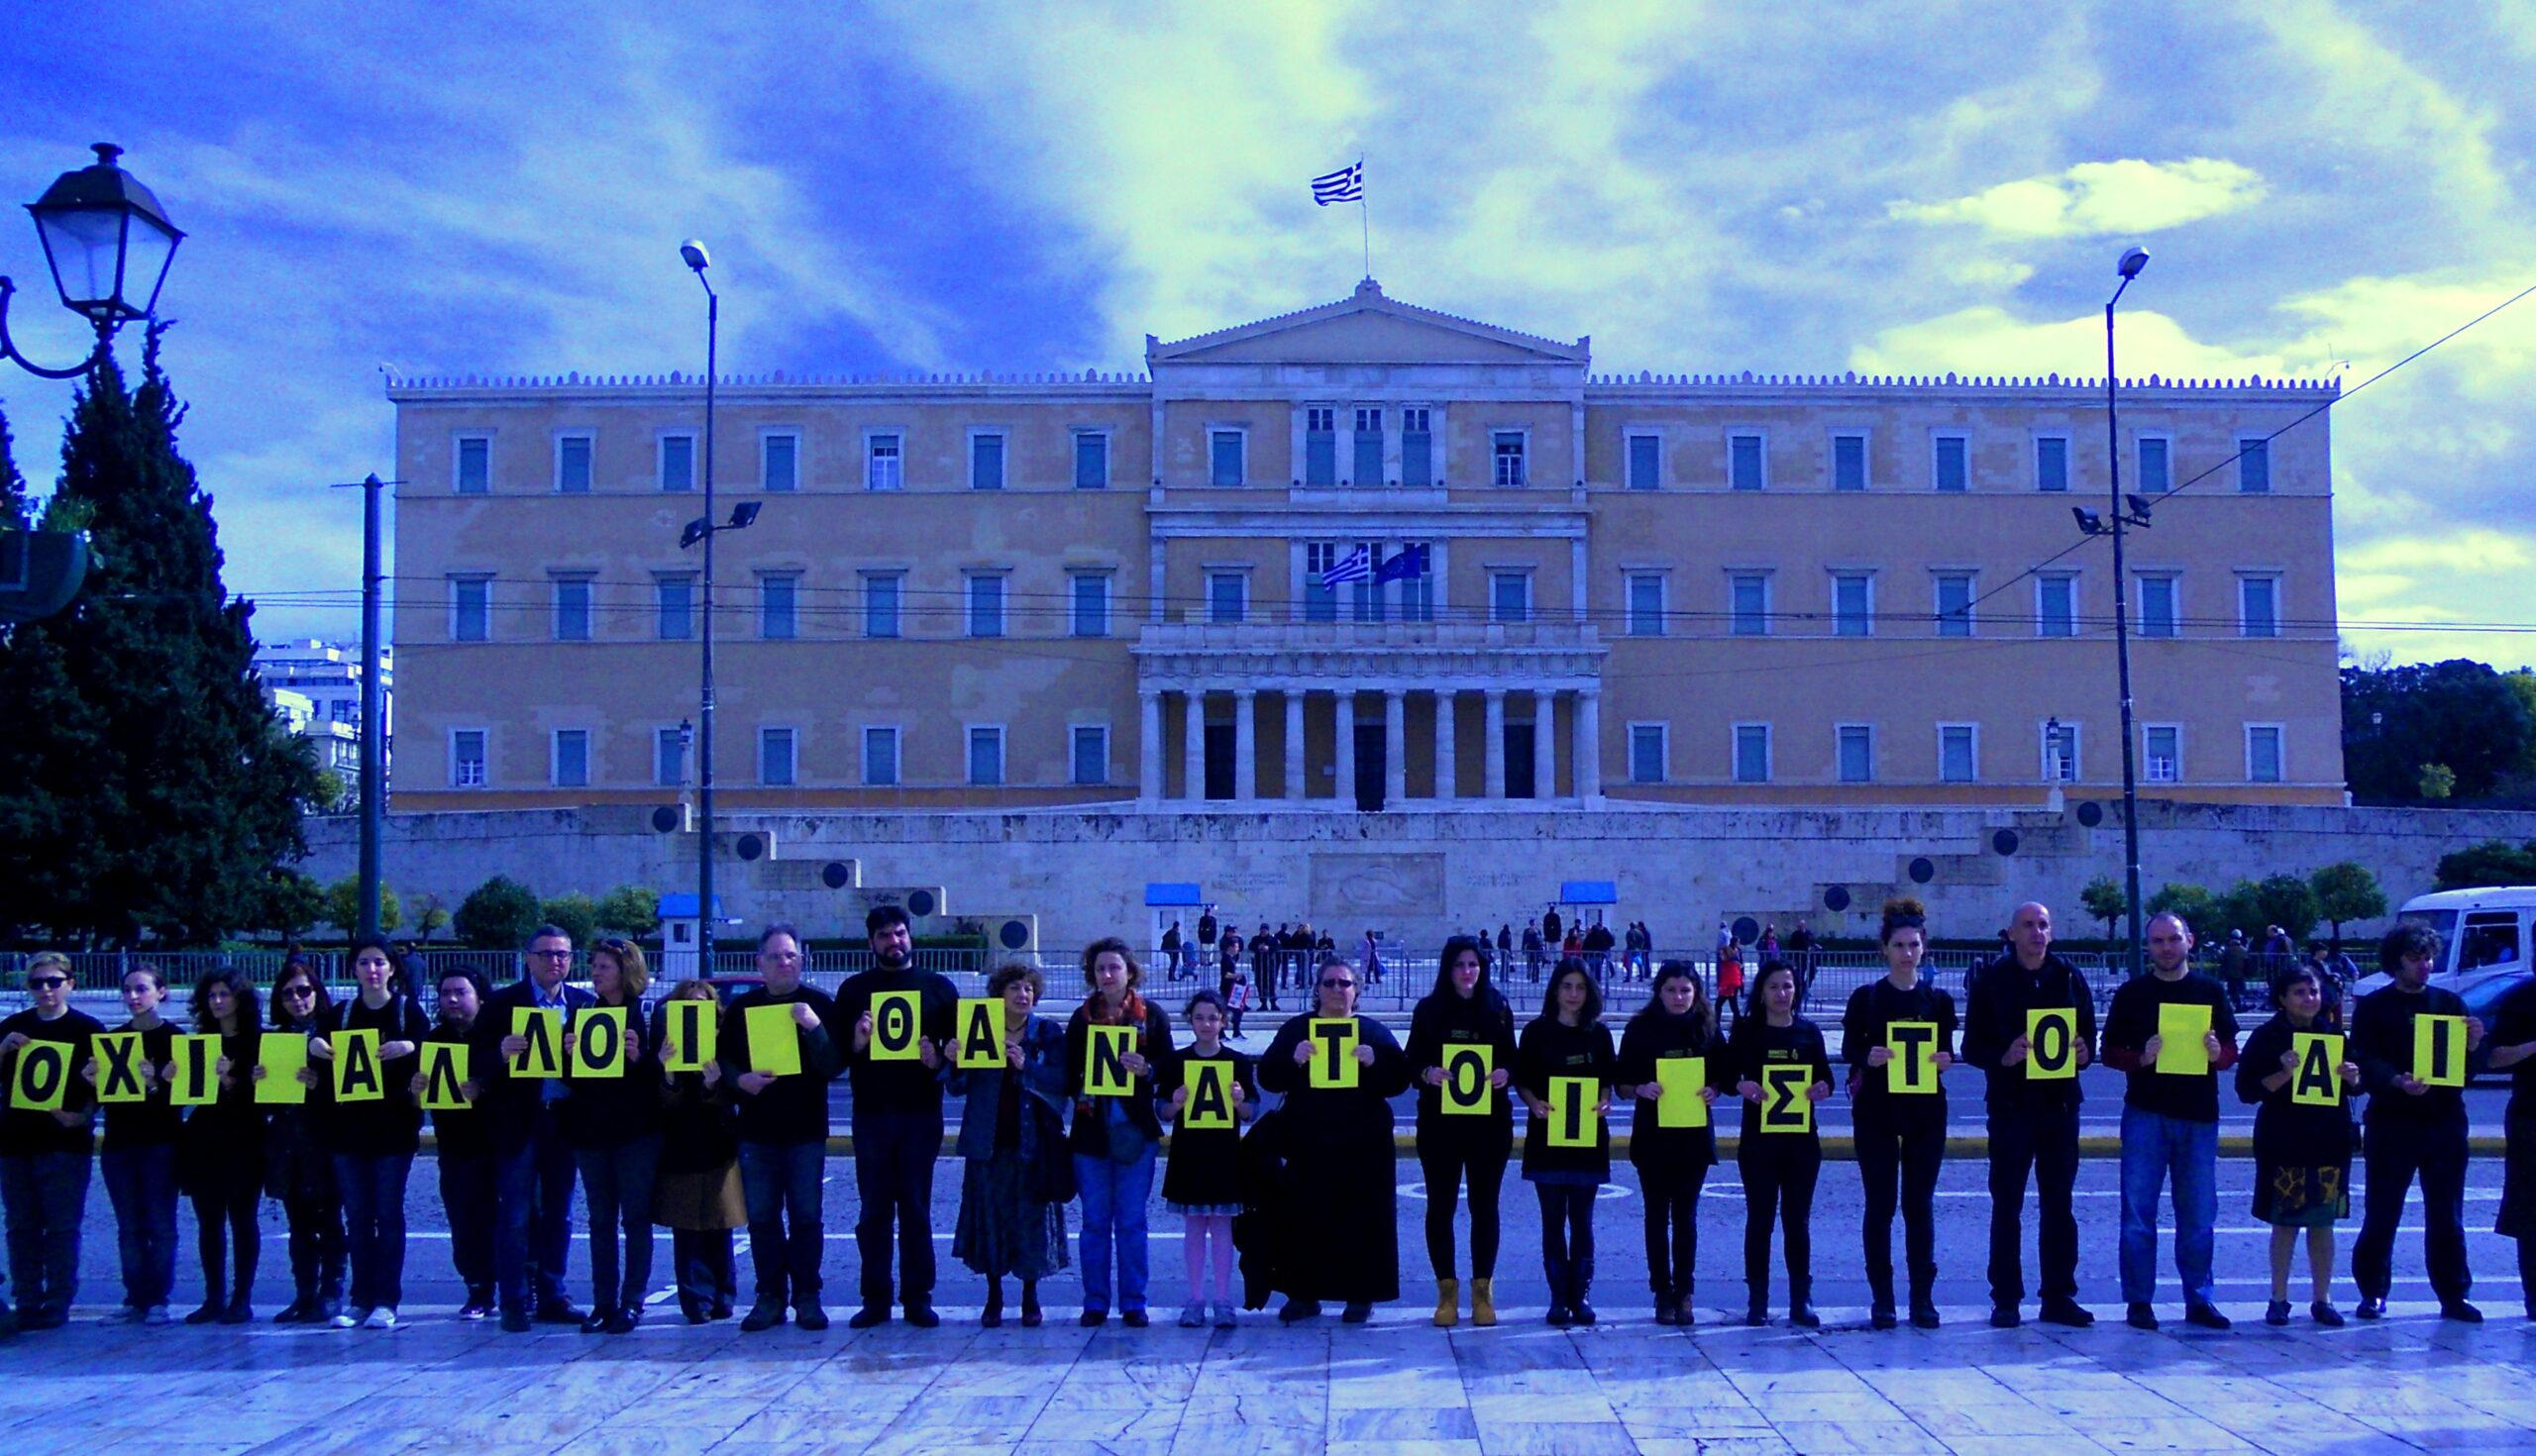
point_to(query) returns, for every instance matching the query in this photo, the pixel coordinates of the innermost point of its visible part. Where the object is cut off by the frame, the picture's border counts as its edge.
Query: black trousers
(1779, 1173)
(1900, 1155)
(1568, 1240)
(1449, 1160)
(706, 1273)
(2395, 1154)
(468, 1183)
(2041, 1140)
(226, 1198)
(1672, 1228)
(317, 1246)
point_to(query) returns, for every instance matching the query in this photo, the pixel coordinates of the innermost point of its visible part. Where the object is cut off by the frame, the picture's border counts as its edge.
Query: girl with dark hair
(2302, 1154)
(1013, 1212)
(465, 1151)
(1567, 1040)
(373, 1140)
(613, 1124)
(698, 1197)
(1457, 1149)
(1114, 1138)
(221, 1154)
(1203, 1181)
(298, 1169)
(1672, 1162)
(1901, 1136)
(140, 1158)
(1779, 1164)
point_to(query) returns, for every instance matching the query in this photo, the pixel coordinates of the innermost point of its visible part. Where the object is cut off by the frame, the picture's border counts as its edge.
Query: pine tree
(13, 487)
(146, 787)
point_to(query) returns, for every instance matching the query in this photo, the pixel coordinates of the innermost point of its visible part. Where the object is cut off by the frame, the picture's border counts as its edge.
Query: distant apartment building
(315, 687)
(1052, 591)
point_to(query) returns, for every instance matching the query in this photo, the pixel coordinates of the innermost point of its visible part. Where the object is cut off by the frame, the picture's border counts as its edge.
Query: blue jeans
(893, 1156)
(533, 1216)
(373, 1188)
(2152, 1146)
(779, 1179)
(1114, 1196)
(142, 1183)
(46, 1196)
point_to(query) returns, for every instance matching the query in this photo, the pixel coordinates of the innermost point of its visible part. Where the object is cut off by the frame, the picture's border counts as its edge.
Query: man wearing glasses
(44, 1155)
(532, 1165)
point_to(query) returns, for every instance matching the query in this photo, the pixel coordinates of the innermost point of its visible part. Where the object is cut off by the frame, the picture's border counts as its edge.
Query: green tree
(2522, 682)
(332, 791)
(2457, 715)
(13, 487)
(2493, 862)
(574, 914)
(2285, 901)
(429, 916)
(2104, 899)
(342, 906)
(2436, 781)
(146, 789)
(632, 909)
(2347, 891)
(290, 903)
(497, 915)
(2198, 907)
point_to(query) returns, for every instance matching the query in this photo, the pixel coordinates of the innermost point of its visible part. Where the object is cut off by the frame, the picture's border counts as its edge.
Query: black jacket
(1995, 1004)
(510, 1103)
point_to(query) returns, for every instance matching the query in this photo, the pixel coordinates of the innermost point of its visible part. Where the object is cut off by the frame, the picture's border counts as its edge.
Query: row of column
(1192, 708)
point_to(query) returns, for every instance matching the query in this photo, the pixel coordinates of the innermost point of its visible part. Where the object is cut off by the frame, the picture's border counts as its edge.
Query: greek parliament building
(1013, 591)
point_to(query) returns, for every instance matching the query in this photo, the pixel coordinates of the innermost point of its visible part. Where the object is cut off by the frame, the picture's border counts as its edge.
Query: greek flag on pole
(1359, 566)
(1347, 184)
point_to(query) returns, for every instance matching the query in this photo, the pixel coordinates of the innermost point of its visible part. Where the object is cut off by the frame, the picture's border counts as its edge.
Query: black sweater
(463, 1132)
(2134, 1019)
(24, 1130)
(155, 1120)
(1550, 1048)
(1651, 1037)
(604, 1111)
(790, 1110)
(1757, 1044)
(1995, 1004)
(2287, 1134)
(2382, 1043)
(1874, 1007)
(1445, 1018)
(394, 1123)
(892, 1087)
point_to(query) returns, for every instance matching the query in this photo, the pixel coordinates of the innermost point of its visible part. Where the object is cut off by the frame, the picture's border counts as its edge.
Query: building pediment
(1368, 328)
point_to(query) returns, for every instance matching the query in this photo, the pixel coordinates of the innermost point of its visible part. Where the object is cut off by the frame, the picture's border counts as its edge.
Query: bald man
(2033, 1122)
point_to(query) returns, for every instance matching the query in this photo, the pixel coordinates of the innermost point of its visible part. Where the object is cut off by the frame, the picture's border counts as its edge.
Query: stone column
(1492, 750)
(1444, 732)
(1245, 746)
(1149, 747)
(1589, 746)
(1193, 744)
(1346, 749)
(1545, 745)
(1295, 745)
(1394, 747)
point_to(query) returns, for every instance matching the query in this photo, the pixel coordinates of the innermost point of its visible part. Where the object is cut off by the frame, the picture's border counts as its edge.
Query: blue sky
(1919, 188)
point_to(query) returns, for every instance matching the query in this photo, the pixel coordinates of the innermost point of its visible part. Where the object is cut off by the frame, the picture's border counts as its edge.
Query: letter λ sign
(1105, 1061)
(357, 1065)
(2051, 1044)
(894, 1025)
(445, 1074)
(197, 1070)
(542, 1060)
(1784, 1106)
(1914, 1067)
(119, 1067)
(1210, 1105)
(1468, 1067)
(981, 1043)
(2438, 1050)
(2318, 1080)
(42, 1074)
(1334, 1063)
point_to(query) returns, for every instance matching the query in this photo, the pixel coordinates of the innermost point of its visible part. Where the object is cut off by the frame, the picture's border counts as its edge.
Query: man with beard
(897, 1118)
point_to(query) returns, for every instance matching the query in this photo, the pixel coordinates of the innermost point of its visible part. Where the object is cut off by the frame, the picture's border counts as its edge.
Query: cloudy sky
(1914, 187)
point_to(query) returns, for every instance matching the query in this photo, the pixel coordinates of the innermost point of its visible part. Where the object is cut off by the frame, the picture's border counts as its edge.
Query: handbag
(1052, 1170)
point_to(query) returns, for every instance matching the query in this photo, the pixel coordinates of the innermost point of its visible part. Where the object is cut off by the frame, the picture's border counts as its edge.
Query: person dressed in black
(698, 1197)
(1340, 1159)
(2033, 1122)
(1901, 1136)
(1459, 1148)
(221, 1156)
(783, 1130)
(2414, 1129)
(463, 1140)
(139, 1158)
(613, 1123)
(45, 1156)
(373, 1140)
(1567, 1040)
(2302, 1152)
(1779, 1164)
(898, 1119)
(2514, 1051)
(533, 1163)
(1203, 1184)
(299, 1170)
(1672, 1162)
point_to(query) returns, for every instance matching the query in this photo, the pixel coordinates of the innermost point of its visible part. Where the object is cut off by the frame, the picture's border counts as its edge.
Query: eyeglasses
(298, 992)
(47, 982)
(1335, 983)
(553, 955)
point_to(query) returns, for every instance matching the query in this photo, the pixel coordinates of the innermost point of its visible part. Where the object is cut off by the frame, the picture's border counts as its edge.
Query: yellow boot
(1449, 1296)
(1483, 1302)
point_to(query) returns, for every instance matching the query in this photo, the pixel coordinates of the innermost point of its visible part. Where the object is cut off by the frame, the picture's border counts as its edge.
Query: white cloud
(2095, 199)
(1988, 340)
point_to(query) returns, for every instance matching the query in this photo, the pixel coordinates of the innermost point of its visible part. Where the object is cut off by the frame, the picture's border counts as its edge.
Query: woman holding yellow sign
(1461, 1040)
(221, 1158)
(1898, 1035)
(1012, 1128)
(698, 1197)
(373, 1127)
(611, 1118)
(1337, 1070)
(1118, 1050)
(45, 1141)
(139, 1158)
(1665, 1054)
(1776, 1062)
(1564, 1067)
(298, 1170)
(2295, 1073)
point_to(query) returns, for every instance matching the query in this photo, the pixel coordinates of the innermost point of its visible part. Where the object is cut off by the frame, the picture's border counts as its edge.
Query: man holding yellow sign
(2029, 1025)
(2172, 1033)
(2411, 1040)
(533, 1163)
(778, 1049)
(889, 1011)
(44, 1140)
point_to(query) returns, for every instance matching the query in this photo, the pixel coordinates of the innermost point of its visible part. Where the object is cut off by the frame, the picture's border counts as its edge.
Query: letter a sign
(980, 1046)
(2318, 1080)
(1210, 1105)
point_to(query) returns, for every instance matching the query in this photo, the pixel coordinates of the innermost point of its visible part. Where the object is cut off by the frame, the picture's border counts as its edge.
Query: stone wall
(1413, 876)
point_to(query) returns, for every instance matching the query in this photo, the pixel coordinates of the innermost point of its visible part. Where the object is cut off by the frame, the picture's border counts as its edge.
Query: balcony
(1545, 654)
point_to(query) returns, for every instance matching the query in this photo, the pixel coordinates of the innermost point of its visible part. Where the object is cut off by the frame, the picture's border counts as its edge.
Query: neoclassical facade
(1072, 591)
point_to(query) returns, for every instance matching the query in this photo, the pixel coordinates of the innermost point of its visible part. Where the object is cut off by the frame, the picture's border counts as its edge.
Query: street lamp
(704, 529)
(109, 246)
(2132, 260)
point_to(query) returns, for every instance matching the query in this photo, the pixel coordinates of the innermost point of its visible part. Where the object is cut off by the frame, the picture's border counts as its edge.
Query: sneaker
(1224, 1317)
(157, 1315)
(382, 1318)
(2140, 1316)
(2324, 1314)
(2206, 1317)
(1194, 1317)
(475, 1310)
(343, 1319)
(2276, 1312)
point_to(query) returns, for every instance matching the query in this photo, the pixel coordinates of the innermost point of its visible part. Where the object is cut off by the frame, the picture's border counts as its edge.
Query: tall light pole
(693, 250)
(2132, 260)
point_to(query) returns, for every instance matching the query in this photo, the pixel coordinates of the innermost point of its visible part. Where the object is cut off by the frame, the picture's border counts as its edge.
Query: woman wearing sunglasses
(45, 1155)
(1339, 1141)
(298, 1168)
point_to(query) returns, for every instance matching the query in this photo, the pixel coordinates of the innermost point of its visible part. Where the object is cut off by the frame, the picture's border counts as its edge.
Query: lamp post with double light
(702, 530)
(2116, 517)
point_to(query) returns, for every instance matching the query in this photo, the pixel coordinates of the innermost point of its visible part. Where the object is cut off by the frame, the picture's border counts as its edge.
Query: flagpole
(1364, 216)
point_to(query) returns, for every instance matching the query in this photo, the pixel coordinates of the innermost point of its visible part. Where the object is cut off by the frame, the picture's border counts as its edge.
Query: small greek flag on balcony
(1357, 566)
(1347, 184)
